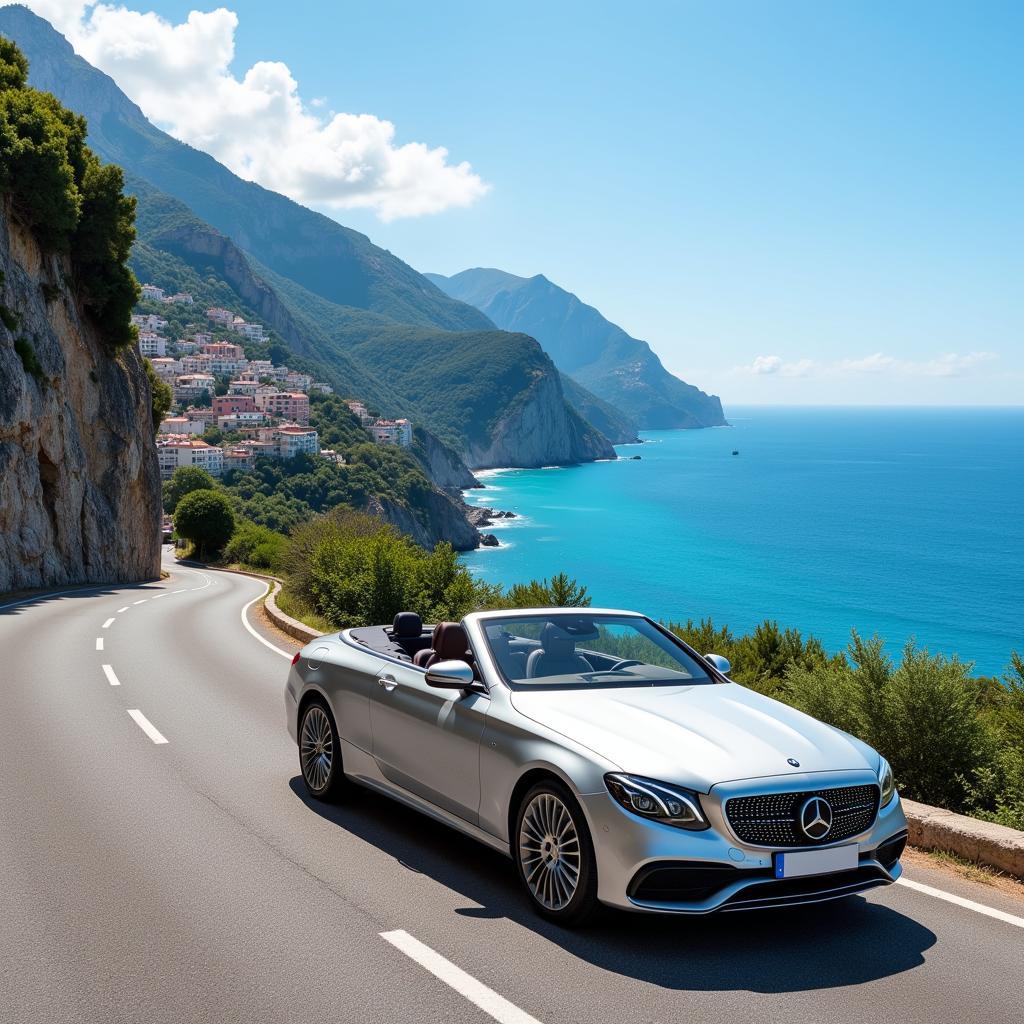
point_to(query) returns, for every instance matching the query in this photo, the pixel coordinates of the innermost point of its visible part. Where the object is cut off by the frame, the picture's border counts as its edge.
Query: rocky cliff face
(79, 481)
(540, 429)
(442, 464)
(445, 521)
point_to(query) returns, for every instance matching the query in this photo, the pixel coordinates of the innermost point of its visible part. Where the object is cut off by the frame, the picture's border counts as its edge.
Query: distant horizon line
(867, 405)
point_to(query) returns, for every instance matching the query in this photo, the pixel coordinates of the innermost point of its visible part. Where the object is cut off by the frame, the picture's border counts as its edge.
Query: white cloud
(769, 365)
(950, 364)
(259, 125)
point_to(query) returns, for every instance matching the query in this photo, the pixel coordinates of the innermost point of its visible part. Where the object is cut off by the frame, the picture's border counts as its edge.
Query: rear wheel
(555, 856)
(320, 754)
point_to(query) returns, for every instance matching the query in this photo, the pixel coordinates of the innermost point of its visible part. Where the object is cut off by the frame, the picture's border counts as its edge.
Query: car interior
(553, 652)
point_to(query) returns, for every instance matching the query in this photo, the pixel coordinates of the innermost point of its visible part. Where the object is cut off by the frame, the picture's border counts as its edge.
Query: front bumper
(647, 866)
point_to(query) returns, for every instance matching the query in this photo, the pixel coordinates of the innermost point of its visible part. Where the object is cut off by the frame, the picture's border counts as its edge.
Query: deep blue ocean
(900, 522)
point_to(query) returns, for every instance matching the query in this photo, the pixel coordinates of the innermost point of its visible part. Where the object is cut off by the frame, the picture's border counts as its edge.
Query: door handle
(389, 682)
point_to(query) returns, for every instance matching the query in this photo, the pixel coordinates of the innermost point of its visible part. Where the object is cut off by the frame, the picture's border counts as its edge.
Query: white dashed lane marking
(124, 609)
(111, 678)
(143, 601)
(495, 1006)
(147, 726)
(108, 623)
(99, 643)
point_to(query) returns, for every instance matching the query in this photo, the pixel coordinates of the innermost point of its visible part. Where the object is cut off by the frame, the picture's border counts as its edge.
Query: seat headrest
(450, 641)
(556, 642)
(407, 624)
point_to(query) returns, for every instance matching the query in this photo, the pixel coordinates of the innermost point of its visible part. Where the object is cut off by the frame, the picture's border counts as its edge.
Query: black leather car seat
(556, 655)
(407, 633)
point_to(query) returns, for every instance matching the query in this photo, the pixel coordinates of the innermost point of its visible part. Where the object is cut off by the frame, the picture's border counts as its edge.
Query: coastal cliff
(539, 429)
(441, 519)
(79, 481)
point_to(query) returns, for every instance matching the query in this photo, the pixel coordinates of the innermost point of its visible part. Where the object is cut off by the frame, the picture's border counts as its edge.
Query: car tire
(320, 754)
(554, 855)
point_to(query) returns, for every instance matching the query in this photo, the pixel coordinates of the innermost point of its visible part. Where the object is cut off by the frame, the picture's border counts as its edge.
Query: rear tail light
(295, 660)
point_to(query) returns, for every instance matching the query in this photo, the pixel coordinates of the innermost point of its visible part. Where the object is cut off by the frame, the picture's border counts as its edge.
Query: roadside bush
(258, 547)
(205, 518)
(355, 570)
(185, 480)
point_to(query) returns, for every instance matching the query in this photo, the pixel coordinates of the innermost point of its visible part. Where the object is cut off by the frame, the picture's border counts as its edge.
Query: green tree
(13, 66)
(102, 244)
(163, 397)
(185, 480)
(205, 518)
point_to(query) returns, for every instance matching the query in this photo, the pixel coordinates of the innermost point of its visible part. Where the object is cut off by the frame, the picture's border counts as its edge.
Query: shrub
(205, 518)
(29, 360)
(355, 570)
(257, 546)
(185, 480)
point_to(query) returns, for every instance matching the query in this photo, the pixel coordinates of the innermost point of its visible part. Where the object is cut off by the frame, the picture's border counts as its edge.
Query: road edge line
(961, 901)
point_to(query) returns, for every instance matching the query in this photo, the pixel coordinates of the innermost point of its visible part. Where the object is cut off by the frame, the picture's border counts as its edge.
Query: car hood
(695, 736)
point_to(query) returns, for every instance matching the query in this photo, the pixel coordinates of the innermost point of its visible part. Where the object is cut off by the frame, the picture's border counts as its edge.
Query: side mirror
(722, 664)
(450, 675)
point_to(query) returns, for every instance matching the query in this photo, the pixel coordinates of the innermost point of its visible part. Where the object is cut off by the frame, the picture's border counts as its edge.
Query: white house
(177, 452)
(150, 291)
(392, 432)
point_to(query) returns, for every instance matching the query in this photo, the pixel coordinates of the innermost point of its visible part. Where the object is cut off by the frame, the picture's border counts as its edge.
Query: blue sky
(793, 202)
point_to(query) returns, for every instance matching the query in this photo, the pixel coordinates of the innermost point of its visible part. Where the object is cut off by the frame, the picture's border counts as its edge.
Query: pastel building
(392, 432)
(289, 405)
(176, 452)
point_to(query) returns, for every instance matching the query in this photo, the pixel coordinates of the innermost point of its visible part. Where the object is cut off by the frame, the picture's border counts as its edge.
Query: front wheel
(555, 855)
(320, 754)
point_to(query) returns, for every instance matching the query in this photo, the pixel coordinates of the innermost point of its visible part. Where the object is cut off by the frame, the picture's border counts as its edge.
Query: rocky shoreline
(480, 517)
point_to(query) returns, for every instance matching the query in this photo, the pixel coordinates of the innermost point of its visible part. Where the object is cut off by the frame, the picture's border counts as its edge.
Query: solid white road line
(262, 640)
(978, 908)
(99, 643)
(111, 678)
(147, 726)
(108, 623)
(495, 1006)
(124, 609)
(182, 591)
(143, 601)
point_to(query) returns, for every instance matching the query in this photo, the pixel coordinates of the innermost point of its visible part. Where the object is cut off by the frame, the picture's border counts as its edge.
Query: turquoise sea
(900, 522)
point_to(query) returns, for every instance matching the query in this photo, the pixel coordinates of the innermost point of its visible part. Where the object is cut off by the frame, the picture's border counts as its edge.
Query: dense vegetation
(204, 518)
(72, 203)
(283, 494)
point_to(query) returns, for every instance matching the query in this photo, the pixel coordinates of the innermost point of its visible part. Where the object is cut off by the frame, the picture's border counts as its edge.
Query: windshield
(570, 649)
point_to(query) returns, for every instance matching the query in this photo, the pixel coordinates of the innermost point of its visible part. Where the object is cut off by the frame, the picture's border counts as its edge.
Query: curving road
(159, 862)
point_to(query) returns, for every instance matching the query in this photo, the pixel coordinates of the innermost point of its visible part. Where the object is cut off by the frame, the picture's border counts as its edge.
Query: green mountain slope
(361, 326)
(334, 261)
(596, 353)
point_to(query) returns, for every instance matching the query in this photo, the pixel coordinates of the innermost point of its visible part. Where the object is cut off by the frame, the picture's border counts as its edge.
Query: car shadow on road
(826, 945)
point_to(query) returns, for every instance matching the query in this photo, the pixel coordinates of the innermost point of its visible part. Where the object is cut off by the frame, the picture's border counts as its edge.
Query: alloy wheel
(316, 748)
(549, 851)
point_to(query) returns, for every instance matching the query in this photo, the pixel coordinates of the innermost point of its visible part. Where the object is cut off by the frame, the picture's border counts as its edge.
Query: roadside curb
(982, 842)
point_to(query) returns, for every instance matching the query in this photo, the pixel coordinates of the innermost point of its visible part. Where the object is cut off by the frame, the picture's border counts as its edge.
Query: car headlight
(885, 781)
(657, 800)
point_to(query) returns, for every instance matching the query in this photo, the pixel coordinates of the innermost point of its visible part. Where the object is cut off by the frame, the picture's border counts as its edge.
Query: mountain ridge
(596, 353)
(391, 306)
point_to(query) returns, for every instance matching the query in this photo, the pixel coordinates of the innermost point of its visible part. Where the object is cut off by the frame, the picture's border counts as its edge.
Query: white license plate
(816, 862)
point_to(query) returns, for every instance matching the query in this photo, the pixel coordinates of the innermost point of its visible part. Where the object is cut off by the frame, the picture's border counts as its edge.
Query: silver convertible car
(612, 762)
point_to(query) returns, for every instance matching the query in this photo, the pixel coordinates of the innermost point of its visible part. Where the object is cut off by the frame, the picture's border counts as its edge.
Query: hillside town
(228, 410)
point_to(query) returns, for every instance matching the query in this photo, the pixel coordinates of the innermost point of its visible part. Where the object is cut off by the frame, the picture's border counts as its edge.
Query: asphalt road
(191, 880)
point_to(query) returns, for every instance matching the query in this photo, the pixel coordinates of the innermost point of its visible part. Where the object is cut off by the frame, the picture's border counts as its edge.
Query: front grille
(683, 881)
(772, 819)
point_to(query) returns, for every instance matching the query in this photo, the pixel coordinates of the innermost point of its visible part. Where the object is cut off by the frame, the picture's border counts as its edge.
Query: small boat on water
(735, 451)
